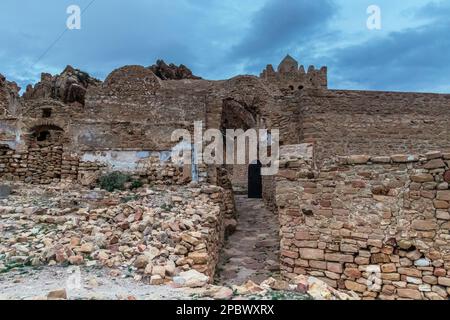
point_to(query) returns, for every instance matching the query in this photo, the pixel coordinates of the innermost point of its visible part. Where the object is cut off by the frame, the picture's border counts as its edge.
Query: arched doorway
(254, 180)
(46, 135)
(237, 116)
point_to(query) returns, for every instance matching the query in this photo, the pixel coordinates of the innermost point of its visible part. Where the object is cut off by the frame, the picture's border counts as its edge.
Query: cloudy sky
(218, 39)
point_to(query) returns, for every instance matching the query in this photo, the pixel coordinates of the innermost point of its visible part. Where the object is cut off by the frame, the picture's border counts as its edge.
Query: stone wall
(379, 226)
(37, 165)
(47, 164)
(342, 122)
(133, 108)
(268, 191)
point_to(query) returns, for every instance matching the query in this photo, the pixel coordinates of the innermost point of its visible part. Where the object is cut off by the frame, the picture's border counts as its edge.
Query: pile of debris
(195, 287)
(150, 234)
(299, 288)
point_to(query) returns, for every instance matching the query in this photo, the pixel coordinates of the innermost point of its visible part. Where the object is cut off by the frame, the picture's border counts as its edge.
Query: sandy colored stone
(410, 294)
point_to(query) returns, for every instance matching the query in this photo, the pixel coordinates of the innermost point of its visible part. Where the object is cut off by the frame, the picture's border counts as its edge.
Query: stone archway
(235, 115)
(44, 135)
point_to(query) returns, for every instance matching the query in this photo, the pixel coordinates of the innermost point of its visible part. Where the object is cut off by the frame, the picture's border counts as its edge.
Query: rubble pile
(299, 288)
(152, 234)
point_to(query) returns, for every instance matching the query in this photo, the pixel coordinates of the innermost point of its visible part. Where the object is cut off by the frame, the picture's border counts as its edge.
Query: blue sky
(220, 39)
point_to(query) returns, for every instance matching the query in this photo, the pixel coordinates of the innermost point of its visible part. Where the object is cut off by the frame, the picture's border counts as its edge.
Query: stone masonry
(378, 226)
(362, 195)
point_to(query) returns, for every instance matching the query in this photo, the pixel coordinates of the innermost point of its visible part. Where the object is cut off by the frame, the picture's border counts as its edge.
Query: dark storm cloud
(281, 27)
(410, 60)
(218, 39)
(113, 33)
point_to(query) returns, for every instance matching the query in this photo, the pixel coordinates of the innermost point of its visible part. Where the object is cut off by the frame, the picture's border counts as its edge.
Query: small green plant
(114, 181)
(136, 184)
(166, 207)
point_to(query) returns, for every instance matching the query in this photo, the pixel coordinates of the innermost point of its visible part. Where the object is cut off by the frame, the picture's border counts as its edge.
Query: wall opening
(43, 136)
(46, 134)
(46, 113)
(236, 115)
(255, 180)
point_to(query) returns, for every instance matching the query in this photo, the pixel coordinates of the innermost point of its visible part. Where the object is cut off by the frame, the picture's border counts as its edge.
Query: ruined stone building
(364, 175)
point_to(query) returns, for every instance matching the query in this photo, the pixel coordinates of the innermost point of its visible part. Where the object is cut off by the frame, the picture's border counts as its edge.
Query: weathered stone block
(311, 254)
(434, 164)
(379, 258)
(410, 272)
(354, 286)
(338, 257)
(388, 268)
(290, 254)
(444, 281)
(334, 267)
(404, 158)
(443, 195)
(424, 225)
(410, 294)
(358, 159)
(422, 177)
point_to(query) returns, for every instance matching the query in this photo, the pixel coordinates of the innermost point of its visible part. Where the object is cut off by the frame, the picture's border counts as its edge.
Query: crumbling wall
(10, 105)
(134, 109)
(38, 165)
(50, 163)
(342, 122)
(379, 226)
(268, 191)
(69, 87)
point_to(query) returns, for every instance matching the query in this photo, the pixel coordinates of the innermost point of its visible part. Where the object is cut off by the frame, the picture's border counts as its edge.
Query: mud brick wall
(379, 226)
(343, 122)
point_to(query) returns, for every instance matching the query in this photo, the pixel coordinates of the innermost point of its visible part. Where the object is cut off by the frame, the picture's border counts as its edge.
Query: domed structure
(288, 65)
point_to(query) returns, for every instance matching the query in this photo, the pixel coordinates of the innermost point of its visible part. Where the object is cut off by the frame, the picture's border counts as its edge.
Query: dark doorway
(254, 180)
(43, 136)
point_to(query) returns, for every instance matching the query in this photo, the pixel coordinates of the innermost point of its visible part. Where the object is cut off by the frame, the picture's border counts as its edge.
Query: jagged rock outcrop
(9, 97)
(70, 86)
(171, 71)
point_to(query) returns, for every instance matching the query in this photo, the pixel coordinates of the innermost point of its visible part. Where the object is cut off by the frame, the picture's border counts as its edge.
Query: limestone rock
(191, 278)
(60, 294)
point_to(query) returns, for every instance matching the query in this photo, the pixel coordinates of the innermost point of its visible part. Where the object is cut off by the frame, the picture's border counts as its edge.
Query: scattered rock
(191, 279)
(60, 294)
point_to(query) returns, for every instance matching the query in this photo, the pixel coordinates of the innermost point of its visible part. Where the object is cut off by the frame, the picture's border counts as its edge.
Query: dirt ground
(83, 283)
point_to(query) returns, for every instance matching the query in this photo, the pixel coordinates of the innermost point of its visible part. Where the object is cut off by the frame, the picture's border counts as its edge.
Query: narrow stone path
(251, 253)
